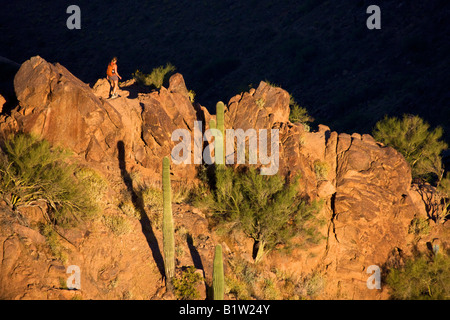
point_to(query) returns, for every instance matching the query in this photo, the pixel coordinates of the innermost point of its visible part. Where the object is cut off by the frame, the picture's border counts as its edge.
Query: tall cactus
(218, 276)
(220, 118)
(212, 124)
(168, 232)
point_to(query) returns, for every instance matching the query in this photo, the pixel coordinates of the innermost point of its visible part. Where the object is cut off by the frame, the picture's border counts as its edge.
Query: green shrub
(419, 226)
(310, 285)
(95, 185)
(272, 84)
(156, 78)
(299, 114)
(413, 139)
(32, 170)
(192, 95)
(52, 240)
(128, 209)
(237, 288)
(152, 198)
(421, 278)
(260, 103)
(266, 208)
(185, 286)
(321, 169)
(270, 290)
(241, 281)
(117, 224)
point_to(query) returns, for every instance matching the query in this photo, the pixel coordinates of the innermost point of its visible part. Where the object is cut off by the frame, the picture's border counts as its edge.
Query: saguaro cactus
(220, 118)
(212, 124)
(218, 276)
(168, 232)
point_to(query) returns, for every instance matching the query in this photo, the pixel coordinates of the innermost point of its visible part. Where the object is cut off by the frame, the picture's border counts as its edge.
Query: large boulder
(258, 109)
(56, 105)
(150, 119)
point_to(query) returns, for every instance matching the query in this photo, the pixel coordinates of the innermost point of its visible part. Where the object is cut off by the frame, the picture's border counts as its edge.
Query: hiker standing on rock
(113, 76)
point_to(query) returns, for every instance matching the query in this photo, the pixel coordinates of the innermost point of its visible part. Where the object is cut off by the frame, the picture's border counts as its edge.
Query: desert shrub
(270, 290)
(236, 288)
(242, 280)
(299, 114)
(420, 146)
(52, 240)
(443, 194)
(192, 95)
(94, 183)
(185, 285)
(260, 103)
(421, 278)
(127, 207)
(152, 198)
(272, 84)
(156, 78)
(311, 285)
(321, 169)
(117, 224)
(32, 170)
(182, 193)
(266, 208)
(419, 226)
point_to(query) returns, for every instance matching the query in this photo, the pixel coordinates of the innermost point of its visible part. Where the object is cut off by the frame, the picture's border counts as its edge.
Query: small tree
(421, 278)
(266, 208)
(413, 139)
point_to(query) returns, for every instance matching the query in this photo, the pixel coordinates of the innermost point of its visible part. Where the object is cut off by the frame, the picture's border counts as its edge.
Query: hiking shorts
(113, 77)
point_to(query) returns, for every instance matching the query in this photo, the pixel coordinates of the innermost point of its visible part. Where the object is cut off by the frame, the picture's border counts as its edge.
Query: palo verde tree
(421, 278)
(266, 208)
(412, 137)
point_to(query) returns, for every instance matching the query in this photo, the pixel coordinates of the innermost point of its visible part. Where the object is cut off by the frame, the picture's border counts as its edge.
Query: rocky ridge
(366, 188)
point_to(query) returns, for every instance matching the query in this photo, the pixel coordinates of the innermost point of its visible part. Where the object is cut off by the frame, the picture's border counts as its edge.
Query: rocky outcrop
(2, 102)
(57, 106)
(62, 109)
(116, 267)
(365, 187)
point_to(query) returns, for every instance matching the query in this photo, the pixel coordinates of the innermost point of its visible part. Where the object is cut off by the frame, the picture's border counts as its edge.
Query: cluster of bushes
(244, 282)
(421, 278)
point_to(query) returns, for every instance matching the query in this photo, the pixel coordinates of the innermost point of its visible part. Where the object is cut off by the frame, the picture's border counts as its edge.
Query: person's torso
(111, 69)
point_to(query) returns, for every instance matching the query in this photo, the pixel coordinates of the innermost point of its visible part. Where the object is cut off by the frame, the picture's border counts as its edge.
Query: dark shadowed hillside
(320, 51)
